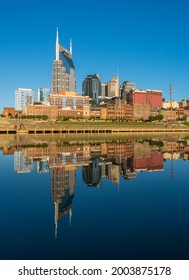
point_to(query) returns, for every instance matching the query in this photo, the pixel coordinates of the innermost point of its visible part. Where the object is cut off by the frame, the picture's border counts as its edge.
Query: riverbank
(9, 127)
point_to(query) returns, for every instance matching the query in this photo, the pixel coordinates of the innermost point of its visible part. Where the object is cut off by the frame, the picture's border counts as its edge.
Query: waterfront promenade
(9, 127)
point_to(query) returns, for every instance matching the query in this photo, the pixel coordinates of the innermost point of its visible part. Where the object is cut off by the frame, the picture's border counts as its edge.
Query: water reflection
(110, 160)
(122, 199)
(107, 161)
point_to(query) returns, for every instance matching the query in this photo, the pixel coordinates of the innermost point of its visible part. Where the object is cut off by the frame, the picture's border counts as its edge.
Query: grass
(186, 123)
(98, 123)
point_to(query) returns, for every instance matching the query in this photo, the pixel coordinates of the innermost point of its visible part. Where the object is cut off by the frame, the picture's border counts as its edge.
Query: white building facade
(167, 105)
(23, 97)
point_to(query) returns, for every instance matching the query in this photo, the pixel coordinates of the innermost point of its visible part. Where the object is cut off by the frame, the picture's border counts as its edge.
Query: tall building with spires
(63, 72)
(63, 180)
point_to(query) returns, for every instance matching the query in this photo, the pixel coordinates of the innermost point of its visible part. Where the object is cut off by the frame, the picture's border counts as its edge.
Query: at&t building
(63, 72)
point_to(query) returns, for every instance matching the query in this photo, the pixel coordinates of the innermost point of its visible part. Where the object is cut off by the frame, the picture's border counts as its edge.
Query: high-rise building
(126, 87)
(23, 97)
(63, 72)
(104, 92)
(43, 94)
(92, 87)
(113, 87)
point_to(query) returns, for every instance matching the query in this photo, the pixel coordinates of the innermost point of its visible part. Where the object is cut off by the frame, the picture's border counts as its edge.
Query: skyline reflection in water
(115, 200)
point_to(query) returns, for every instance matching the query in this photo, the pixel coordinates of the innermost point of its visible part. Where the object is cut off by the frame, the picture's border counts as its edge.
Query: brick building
(41, 110)
(184, 103)
(9, 112)
(68, 99)
(53, 112)
(141, 111)
(95, 112)
(153, 162)
(153, 98)
(175, 114)
(117, 109)
(79, 112)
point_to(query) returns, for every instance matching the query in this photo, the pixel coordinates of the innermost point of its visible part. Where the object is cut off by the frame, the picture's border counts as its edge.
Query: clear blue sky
(148, 41)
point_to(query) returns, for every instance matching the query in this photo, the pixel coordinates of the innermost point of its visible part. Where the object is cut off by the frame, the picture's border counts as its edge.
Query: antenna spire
(70, 215)
(71, 45)
(57, 45)
(57, 34)
(56, 219)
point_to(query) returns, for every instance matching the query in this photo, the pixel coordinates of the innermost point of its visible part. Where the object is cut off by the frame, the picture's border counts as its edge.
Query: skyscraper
(113, 87)
(43, 94)
(110, 89)
(125, 88)
(92, 87)
(63, 72)
(23, 97)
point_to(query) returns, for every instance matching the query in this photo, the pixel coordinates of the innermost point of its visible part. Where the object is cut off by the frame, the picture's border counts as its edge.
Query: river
(115, 199)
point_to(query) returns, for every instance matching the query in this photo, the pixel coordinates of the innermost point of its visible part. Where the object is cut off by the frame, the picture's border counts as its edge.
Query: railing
(91, 130)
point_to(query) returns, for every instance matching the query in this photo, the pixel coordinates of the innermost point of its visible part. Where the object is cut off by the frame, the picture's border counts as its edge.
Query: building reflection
(22, 164)
(63, 182)
(111, 161)
(42, 166)
(92, 173)
(127, 169)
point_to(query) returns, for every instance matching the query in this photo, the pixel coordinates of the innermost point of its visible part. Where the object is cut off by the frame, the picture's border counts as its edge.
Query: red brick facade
(150, 163)
(153, 98)
(7, 112)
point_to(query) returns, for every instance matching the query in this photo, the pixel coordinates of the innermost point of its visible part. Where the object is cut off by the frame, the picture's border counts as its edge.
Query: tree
(155, 118)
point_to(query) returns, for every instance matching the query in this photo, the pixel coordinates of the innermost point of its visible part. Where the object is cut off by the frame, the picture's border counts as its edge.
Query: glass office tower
(92, 87)
(43, 94)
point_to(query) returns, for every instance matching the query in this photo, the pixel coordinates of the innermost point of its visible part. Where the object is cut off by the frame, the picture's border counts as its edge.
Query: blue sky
(148, 41)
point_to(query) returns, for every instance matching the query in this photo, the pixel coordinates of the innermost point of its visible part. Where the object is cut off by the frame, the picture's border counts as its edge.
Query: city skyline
(147, 42)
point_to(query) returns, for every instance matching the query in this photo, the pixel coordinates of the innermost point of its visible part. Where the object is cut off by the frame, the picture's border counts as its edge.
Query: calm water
(120, 200)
